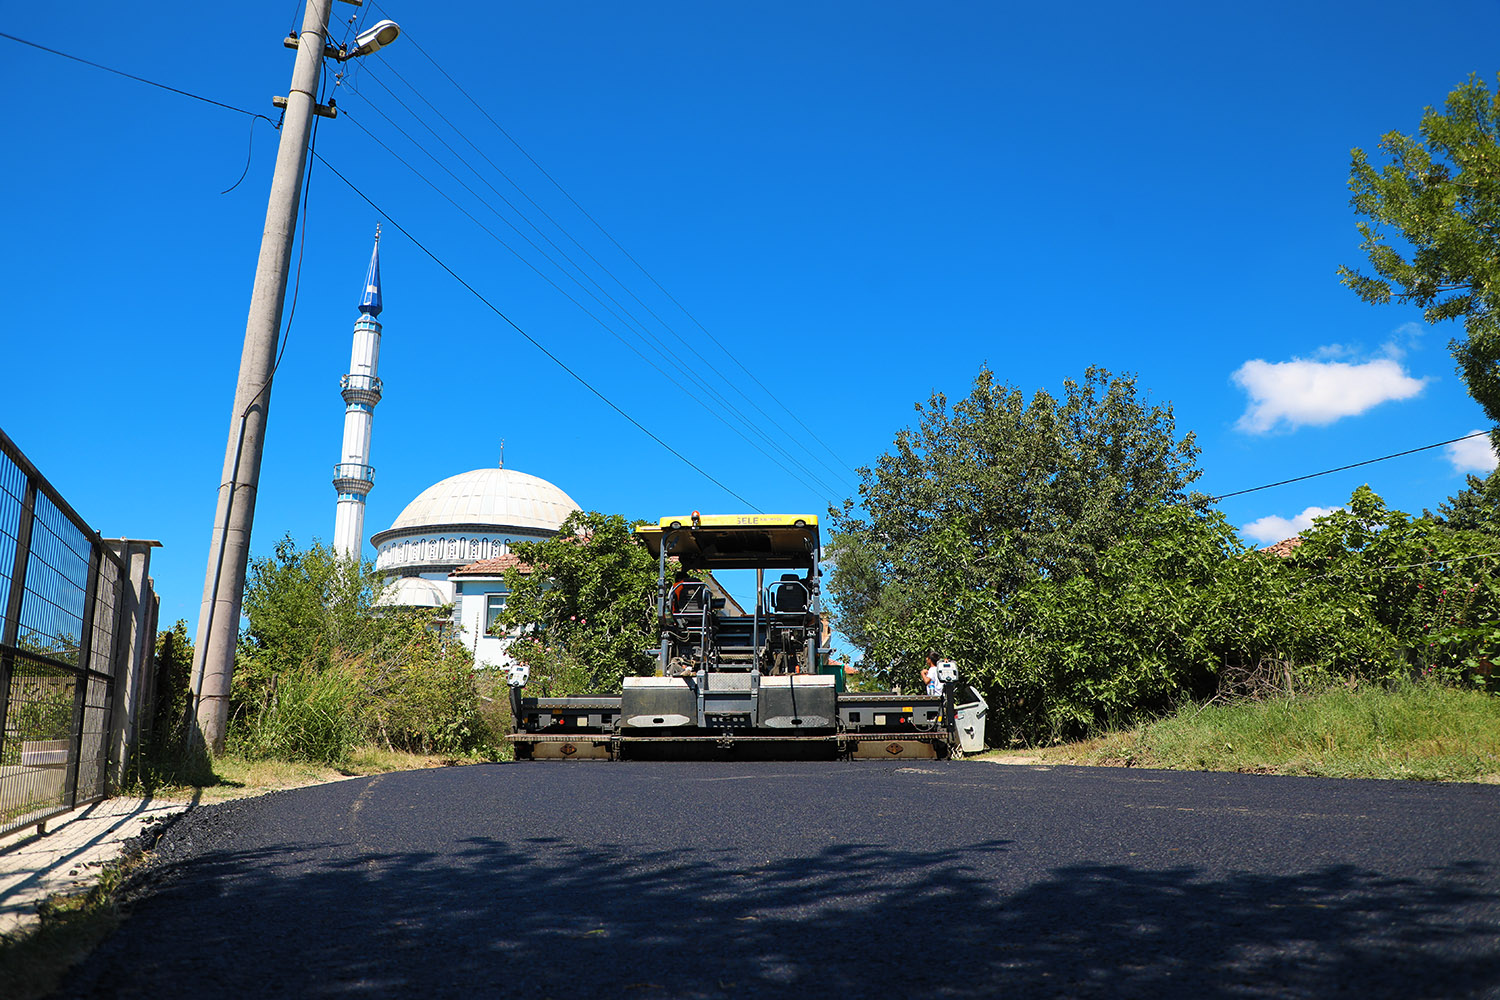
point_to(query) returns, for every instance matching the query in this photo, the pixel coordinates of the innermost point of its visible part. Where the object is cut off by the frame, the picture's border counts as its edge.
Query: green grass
(1422, 731)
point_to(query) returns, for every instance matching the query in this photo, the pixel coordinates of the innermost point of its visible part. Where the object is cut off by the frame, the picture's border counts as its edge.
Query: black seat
(790, 595)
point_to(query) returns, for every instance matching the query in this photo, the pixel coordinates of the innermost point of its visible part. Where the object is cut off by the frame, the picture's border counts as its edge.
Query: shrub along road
(961, 879)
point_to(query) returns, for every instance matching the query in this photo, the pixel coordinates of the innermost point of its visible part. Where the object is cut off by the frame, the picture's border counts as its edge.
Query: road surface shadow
(550, 918)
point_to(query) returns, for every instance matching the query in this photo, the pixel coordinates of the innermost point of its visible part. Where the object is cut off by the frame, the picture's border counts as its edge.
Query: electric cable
(132, 76)
(639, 329)
(317, 156)
(249, 150)
(628, 256)
(532, 340)
(519, 256)
(1343, 468)
(839, 471)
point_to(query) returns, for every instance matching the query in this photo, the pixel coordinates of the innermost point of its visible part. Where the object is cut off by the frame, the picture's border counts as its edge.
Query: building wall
(440, 550)
(470, 601)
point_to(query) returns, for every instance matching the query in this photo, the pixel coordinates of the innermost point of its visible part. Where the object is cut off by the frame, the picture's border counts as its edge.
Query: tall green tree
(589, 595)
(303, 605)
(993, 492)
(1438, 194)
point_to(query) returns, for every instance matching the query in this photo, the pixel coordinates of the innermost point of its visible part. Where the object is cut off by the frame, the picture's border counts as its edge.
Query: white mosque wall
(446, 549)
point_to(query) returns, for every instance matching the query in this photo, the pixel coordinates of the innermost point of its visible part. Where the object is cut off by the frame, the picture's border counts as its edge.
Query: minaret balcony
(361, 389)
(353, 477)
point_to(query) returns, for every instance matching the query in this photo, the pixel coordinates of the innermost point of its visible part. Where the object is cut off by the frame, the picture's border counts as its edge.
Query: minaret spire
(371, 302)
(354, 476)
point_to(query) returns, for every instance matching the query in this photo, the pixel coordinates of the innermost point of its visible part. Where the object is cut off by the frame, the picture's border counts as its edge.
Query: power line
(437, 260)
(519, 256)
(132, 76)
(838, 471)
(637, 327)
(532, 340)
(1342, 468)
(607, 235)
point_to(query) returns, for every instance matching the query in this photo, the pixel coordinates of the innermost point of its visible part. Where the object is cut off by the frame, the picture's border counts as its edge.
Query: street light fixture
(378, 36)
(229, 547)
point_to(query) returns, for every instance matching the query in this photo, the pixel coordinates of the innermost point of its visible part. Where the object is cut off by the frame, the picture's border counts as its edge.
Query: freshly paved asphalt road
(949, 879)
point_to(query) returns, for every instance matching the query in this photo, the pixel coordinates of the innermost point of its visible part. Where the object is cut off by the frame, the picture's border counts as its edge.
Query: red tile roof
(1284, 547)
(493, 567)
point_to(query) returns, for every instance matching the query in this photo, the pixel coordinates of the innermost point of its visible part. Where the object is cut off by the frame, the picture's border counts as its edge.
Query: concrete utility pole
(229, 549)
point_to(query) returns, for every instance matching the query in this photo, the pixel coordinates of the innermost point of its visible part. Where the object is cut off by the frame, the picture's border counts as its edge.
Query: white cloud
(1301, 392)
(1273, 528)
(1473, 455)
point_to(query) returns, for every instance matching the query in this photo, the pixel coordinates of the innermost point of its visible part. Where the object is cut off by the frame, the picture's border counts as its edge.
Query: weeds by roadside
(1417, 731)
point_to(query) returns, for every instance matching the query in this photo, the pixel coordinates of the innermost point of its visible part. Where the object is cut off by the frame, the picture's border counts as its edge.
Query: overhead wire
(614, 307)
(842, 464)
(470, 288)
(713, 413)
(532, 340)
(131, 76)
(1344, 468)
(839, 471)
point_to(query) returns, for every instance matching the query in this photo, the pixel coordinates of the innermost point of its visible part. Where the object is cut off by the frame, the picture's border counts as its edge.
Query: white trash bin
(970, 718)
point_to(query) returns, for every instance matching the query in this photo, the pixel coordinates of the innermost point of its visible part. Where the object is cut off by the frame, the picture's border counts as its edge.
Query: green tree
(302, 606)
(588, 599)
(174, 668)
(1434, 588)
(1177, 610)
(322, 668)
(1439, 194)
(1476, 507)
(986, 496)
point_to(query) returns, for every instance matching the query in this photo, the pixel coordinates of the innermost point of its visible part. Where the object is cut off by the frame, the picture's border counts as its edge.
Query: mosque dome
(414, 592)
(501, 498)
(474, 515)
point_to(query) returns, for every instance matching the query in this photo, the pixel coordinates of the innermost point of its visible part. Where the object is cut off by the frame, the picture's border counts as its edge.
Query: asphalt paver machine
(731, 683)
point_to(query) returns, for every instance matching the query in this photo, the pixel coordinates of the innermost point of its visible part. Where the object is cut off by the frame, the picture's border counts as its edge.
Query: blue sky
(862, 202)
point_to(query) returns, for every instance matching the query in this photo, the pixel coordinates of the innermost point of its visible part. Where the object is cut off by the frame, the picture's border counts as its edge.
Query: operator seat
(790, 595)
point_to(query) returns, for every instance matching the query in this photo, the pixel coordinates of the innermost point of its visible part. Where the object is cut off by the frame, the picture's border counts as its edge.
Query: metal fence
(67, 643)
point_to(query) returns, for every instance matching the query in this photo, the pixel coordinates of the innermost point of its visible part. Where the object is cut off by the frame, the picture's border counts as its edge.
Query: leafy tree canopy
(1439, 194)
(591, 595)
(302, 606)
(991, 493)
(1476, 507)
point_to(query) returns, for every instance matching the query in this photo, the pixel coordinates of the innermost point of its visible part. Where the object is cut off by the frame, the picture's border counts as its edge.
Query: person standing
(930, 673)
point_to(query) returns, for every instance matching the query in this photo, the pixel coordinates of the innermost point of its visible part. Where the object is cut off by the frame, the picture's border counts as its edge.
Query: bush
(321, 668)
(301, 717)
(1169, 615)
(418, 692)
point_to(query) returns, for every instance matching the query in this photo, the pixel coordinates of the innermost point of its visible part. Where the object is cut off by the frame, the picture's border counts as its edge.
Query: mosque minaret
(354, 476)
(450, 548)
